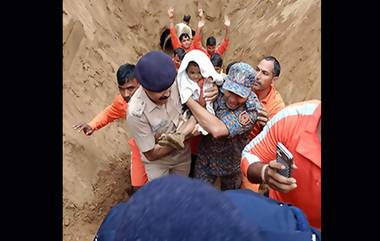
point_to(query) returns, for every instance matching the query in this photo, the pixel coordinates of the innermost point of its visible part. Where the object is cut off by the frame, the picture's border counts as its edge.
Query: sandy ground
(100, 35)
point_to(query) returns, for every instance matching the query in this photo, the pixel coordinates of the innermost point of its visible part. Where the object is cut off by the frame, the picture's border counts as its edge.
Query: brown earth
(99, 35)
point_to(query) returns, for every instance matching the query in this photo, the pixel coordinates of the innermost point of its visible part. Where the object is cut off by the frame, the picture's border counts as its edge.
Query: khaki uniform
(146, 122)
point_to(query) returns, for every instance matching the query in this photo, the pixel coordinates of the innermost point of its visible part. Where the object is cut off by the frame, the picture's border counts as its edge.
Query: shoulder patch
(138, 110)
(244, 118)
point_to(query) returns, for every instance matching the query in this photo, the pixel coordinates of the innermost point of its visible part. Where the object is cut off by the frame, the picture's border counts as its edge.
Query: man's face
(159, 98)
(128, 89)
(233, 101)
(186, 42)
(177, 61)
(264, 75)
(211, 49)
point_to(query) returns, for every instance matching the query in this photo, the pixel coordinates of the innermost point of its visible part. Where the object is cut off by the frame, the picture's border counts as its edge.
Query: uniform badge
(244, 118)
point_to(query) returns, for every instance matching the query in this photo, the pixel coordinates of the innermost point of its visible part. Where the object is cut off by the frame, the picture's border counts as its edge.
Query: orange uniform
(196, 44)
(220, 49)
(296, 127)
(118, 110)
(273, 103)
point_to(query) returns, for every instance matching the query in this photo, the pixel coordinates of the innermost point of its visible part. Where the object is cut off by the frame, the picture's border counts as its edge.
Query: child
(195, 75)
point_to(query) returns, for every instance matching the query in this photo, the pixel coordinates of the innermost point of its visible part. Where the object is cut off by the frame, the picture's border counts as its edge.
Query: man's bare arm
(158, 152)
(209, 122)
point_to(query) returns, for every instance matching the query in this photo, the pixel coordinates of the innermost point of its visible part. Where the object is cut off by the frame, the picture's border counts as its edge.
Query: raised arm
(223, 46)
(173, 33)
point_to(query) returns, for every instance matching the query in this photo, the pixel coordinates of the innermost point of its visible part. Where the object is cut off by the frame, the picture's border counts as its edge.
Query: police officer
(155, 109)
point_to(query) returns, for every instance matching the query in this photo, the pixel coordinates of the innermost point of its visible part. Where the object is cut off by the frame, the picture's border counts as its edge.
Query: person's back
(297, 127)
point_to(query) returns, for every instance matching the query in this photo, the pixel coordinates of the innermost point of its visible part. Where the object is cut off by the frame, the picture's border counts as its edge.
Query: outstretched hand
(171, 12)
(227, 21)
(85, 128)
(201, 23)
(200, 13)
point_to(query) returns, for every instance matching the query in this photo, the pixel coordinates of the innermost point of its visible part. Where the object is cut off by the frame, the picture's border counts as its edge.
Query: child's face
(218, 69)
(194, 72)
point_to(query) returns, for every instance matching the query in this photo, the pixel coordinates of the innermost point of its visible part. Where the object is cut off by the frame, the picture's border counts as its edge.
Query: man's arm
(258, 162)
(173, 34)
(223, 46)
(117, 110)
(197, 40)
(145, 139)
(209, 122)
(157, 152)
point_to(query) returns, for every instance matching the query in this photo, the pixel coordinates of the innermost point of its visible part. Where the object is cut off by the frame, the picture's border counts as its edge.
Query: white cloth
(188, 88)
(183, 28)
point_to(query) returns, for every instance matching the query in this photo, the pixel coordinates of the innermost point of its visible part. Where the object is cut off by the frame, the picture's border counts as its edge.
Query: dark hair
(183, 35)
(211, 41)
(276, 65)
(230, 64)
(186, 18)
(180, 52)
(125, 73)
(192, 63)
(216, 60)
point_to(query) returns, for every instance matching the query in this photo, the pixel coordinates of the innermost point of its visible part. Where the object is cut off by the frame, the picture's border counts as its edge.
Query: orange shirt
(296, 127)
(219, 50)
(273, 103)
(195, 44)
(117, 110)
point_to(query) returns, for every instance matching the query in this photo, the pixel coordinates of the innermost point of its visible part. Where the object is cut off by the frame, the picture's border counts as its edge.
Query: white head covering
(188, 87)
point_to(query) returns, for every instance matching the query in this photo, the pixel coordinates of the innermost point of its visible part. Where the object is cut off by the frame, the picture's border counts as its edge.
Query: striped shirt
(296, 127)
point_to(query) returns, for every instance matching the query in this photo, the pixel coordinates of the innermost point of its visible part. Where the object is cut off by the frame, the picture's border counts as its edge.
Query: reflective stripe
(251, 158)
(291, 110)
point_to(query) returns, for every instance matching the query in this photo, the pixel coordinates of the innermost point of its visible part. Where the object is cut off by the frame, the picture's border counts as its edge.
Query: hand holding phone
(284, 157)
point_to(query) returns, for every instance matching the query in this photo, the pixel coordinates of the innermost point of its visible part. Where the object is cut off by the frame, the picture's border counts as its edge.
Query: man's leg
(230, 182)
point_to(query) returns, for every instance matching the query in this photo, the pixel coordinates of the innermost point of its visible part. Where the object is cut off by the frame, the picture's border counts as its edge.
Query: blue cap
(239, 80)
(176, 208)
(155, 71)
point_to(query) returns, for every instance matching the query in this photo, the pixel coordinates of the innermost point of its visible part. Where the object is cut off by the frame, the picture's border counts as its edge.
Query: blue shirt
(222, 156)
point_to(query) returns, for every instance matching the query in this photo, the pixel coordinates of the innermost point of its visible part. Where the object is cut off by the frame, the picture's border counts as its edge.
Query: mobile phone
(284, 157)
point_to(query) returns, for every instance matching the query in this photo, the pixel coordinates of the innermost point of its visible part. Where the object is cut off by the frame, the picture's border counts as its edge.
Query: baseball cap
(240, 78)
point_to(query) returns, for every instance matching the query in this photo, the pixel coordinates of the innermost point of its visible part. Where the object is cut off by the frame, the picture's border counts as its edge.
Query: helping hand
(84, 127)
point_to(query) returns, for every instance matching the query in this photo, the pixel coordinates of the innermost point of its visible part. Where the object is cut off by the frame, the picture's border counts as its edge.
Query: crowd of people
(189, 117)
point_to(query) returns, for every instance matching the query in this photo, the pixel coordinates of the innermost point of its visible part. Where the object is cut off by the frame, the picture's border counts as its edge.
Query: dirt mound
(98, 36)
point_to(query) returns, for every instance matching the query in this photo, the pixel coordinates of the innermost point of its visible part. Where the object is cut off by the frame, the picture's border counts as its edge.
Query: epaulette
(138, 109)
